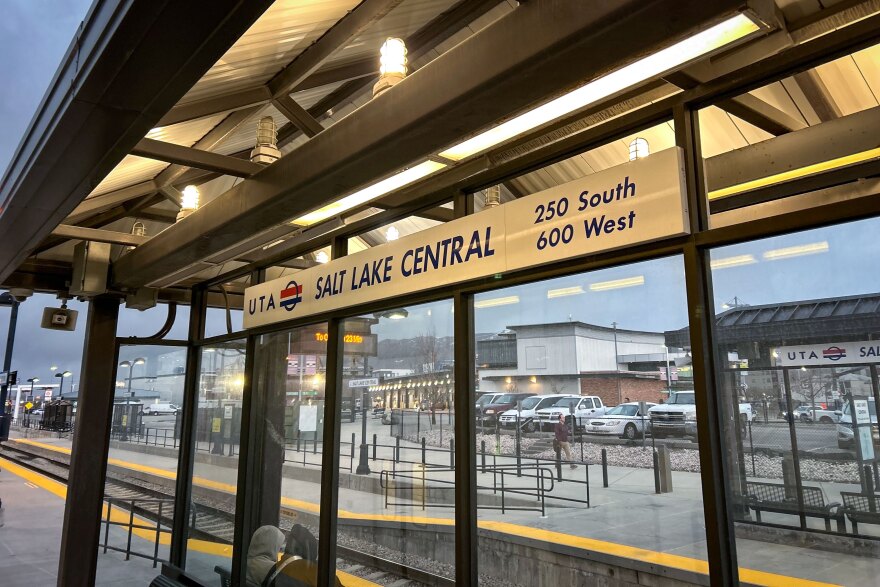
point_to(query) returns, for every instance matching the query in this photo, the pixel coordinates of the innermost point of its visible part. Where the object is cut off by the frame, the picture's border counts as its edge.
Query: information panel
(635, 203)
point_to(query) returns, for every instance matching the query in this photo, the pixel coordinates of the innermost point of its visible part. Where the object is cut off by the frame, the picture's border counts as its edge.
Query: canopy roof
(183, 110)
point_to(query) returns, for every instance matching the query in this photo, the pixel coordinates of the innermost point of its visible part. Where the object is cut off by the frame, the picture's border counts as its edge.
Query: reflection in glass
(795, 363)
(574, 369)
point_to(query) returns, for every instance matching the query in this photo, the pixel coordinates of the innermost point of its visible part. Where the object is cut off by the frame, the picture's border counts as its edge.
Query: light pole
(126, 422)
(32, 380)
(130, 365)
(61, 377)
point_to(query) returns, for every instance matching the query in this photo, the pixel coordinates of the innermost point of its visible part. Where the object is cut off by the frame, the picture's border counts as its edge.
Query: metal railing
(129, 506)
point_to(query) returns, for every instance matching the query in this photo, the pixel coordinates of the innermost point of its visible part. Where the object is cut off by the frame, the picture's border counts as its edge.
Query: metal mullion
(246, 497)
(186, 457)
(720, 539)
(467, 546)
(330, 455)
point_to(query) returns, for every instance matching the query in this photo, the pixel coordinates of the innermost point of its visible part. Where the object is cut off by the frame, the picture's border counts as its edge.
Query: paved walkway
(627, 518)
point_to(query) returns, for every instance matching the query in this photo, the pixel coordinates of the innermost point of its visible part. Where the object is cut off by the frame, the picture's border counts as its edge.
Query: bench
(860, 507)
(173, 577)
(781, 498)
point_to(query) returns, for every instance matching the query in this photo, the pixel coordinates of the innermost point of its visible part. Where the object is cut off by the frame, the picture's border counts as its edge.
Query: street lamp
(32, 380)
(130, 365)
(61, 376)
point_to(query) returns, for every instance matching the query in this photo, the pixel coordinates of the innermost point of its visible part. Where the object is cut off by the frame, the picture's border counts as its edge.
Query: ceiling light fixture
(392, 234)
(371, 192)
(392, 65)
(665, 60)
(266, 150)
(189, 203)
(796, 251)
(564, 291)
(638, 149)
(491, 303)
(734, 261)
(322, 257)
(618, 283)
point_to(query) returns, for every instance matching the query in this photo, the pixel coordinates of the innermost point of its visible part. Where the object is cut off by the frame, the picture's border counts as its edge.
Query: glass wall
(572, 373)
(289, 381)
(797, 317)
(211, 519)
(397, 468)
(145, 436)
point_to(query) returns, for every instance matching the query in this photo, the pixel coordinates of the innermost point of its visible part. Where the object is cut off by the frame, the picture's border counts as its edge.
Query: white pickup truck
(678, 416)
(586, 408)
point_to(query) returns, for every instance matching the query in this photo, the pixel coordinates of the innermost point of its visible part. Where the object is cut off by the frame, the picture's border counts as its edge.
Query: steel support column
(7, 358)
(81, 531)
(466, 539)
(247, 505)
(720, 540)
(186, 450)
(330, 452)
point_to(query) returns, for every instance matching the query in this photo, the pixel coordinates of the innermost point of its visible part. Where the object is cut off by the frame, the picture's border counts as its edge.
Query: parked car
(678, 416)
(485, 400)
(530, 406)
(814, 414)
(160, 408)
(489, 414)
(845, 435)
(585, 408)
(624, 421)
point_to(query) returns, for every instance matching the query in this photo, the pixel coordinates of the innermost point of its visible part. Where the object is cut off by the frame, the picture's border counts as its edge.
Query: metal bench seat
(783, 499)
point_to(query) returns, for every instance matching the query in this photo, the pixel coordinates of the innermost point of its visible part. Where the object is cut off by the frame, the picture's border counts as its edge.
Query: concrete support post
(88, 461)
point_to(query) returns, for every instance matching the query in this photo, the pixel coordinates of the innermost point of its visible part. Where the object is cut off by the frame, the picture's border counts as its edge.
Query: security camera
(21, 294)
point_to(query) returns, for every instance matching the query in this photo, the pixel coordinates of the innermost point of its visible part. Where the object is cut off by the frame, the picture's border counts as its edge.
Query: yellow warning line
(118, 514)
(590, 544)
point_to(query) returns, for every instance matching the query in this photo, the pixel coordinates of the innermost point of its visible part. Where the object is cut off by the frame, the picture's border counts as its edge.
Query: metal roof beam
(747, 107)
(129, 63)
(171, 153)
(97, 235)
(817, 95)
(555, 45)
(298, 115)
(337, 37)
(99, 203)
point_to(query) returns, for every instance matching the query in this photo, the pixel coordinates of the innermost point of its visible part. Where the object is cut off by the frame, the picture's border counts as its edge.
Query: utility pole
(617, 364)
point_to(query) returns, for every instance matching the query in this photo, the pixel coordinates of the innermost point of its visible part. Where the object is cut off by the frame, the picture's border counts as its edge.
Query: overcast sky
(837, 261)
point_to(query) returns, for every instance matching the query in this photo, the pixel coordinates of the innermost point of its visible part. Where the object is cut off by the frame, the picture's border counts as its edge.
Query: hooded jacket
(263, 554)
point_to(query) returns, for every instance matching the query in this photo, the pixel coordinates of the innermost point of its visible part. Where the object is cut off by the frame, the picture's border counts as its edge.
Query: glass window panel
(791, 331)
(397, 476)
(142, 466)
(542, 513)
(289, 378)
(211, 519)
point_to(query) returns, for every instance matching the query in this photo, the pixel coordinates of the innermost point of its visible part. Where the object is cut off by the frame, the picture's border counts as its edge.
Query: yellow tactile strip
(590, 544)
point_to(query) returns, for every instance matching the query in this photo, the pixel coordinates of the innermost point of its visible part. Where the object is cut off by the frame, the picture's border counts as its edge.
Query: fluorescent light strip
(733, 261)
(798, 251)
(795, 173)
(371, 192)
(565, 291)
(497, 302)
(618, 283)
(656, 64)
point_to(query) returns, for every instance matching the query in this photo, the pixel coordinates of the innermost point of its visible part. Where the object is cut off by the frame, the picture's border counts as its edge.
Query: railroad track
(215, 524)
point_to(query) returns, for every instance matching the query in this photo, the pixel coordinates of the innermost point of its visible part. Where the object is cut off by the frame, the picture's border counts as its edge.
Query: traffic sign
(29, 405)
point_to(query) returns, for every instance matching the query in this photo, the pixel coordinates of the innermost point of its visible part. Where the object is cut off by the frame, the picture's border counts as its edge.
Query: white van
(160, 408)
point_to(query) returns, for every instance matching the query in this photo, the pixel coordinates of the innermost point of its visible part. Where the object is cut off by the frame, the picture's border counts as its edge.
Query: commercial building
(341, 192)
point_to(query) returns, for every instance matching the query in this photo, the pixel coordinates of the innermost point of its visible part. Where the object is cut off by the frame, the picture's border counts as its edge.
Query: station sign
(635, 203)
(828, 354)
(369, 382)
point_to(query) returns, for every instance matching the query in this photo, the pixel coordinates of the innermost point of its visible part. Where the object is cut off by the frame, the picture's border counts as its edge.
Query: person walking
(561, 431)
